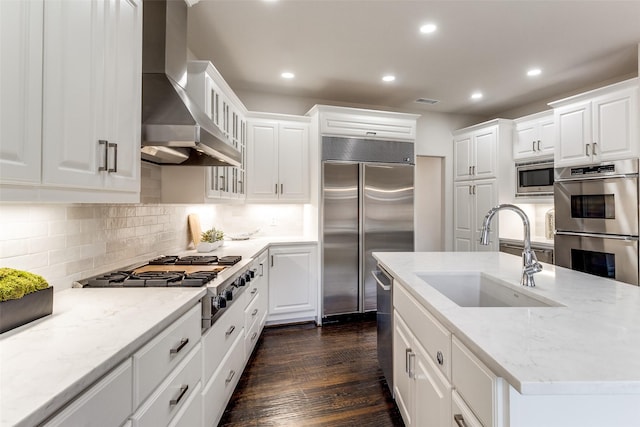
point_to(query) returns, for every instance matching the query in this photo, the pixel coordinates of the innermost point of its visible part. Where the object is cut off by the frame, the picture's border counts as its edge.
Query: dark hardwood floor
(302, 375)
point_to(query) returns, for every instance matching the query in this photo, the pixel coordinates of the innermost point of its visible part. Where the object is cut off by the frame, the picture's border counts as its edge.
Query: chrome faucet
(530, 264)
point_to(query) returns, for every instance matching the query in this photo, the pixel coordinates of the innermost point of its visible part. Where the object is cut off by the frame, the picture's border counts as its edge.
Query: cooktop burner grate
(197, 260)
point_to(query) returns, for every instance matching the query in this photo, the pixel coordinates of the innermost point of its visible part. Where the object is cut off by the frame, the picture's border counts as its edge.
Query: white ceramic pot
(209, 247)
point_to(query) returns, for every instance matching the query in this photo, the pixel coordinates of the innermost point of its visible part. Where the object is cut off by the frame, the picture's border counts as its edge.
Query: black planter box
(17, 312)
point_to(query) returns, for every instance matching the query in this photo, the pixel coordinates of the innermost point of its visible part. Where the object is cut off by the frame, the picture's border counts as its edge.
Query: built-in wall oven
(597, 216)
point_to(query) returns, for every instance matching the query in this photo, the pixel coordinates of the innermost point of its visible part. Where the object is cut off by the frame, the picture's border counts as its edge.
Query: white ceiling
(340, 49)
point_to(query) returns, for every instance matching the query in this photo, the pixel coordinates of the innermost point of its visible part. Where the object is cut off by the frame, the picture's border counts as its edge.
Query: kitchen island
(576, 362)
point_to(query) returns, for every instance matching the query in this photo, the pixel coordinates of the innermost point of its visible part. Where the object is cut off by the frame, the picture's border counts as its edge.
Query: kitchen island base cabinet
(293, 284)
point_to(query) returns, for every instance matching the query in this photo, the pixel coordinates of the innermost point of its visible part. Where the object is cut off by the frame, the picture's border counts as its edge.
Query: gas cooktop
(165, 271)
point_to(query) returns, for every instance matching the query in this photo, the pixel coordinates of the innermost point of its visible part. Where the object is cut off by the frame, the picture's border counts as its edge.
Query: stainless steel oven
(597, 217)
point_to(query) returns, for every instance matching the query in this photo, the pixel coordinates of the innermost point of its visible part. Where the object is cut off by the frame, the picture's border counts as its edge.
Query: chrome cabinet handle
(230, 377)
(473, 170)
(459, 419)
(412, 356)
(474, 189)
(115, 157)
(276, 188)
(470, 190)
(272, 261)
(281, 188)
(180, 346)
(254, 312)
(253, 337)
(533, 146)
(371, 133)
(538, 145)
(407, 352)
(105, 164)
(587, 150)
(183, 391)
(253, 291)
(469, 170)
(440, 358)
(230, 330)
(261, 269)
(594, 148)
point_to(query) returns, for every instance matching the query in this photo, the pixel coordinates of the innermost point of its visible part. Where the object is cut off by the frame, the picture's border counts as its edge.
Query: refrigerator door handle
(382, 285)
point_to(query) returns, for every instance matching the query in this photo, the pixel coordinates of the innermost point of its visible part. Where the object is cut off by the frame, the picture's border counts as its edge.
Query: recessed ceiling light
(388, 78)
(428, 28)
(476, 95)
(287, 75)
(534, 72)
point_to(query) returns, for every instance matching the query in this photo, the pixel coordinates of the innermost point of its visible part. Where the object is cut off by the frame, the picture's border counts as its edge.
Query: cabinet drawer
(477, 385)
(368, 126)
(253, 333)
(218, 391)
(434, 337)
(218, 339)
(253, 312)
(461, 415)
(191, 413)
(106, 403)
(153, 362)
(167, 400)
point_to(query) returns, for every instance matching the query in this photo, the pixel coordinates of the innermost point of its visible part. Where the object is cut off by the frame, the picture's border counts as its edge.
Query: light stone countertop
(589, 346)
(47, 362)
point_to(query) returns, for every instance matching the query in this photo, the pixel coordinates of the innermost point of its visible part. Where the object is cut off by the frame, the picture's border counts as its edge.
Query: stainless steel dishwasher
(385, 323)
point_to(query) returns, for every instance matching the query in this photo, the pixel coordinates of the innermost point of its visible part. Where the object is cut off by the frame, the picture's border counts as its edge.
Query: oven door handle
(595, 178)
(599, 236)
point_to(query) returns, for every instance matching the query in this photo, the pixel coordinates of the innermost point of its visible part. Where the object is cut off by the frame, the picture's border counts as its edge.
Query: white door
(463, 216)
(547, 136)
(462, 157)
(573, 132)
(262, 160)
(20, 90)
(485, 145)
(433, 391)
(292, 287)
(615, 126)
(526, 136)
(485, 198)
(402, 384)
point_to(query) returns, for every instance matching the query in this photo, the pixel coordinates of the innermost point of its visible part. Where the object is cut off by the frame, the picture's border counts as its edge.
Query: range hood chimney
(174, 129)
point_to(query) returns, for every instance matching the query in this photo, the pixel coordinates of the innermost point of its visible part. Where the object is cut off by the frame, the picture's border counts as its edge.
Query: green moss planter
(17, 312)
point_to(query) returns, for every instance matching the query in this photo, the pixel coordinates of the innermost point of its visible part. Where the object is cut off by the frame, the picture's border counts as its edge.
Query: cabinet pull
(253, 291)
(230, 330)
(474, 189)
(594, 149)
(587, 150)
(533, 146)
(440, 358)
(276, 189)
(538, 145)
(473, 170)
(180, 346)
(469, 170)
(372, 133)
(115, 157)
(261, 269)
(470, 190)
(281, 188)
(412, 357)
(105, 163)
(254, 312)
(183, 391)
(230, 377)
(271, 260)
(407, 351)
(253, 337)
(459, 419)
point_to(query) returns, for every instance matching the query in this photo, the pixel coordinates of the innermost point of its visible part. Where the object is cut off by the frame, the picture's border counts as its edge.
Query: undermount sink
(477, 289)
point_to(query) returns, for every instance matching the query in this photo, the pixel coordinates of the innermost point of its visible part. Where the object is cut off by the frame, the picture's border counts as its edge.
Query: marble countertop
(47, 362)
(587, 346)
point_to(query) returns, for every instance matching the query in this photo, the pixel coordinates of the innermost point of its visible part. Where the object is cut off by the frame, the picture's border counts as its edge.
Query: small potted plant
(210, 240)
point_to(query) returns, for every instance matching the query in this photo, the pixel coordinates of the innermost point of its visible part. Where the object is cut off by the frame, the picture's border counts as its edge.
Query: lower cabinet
(293, 284)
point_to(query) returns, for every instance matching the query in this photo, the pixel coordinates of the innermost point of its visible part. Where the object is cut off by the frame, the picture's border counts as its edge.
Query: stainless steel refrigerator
(367, 206)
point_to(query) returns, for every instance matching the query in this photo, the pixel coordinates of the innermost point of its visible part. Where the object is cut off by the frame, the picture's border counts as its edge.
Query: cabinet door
(461, 415)
(433, 391)
(74, 98)
(20, 90)
(485, 146)
(546, 136)
(525, 140)
(462, 151)
(573, 132)
(615, 125)
(124, 64)
(292, 282)
(402, 340)
(485, 198)
(463, 217)
(293, 161)
(262, 161)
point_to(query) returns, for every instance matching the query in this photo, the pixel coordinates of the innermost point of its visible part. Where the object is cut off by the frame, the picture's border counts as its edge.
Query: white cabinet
(257, 301)
(91, 91)
(598, 126)
(108, 402)
(534, 136)
(21, 91)
(370, 124)
(472, 201)
(278, 160)
(293, 283)
(484, 176)
(421, 354)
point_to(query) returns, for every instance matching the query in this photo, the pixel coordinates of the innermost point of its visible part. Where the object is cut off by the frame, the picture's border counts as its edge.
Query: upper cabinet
(478, 149)
(597, 126)
(534, 136)
(278, 158)
(91, 90)
(339, 121)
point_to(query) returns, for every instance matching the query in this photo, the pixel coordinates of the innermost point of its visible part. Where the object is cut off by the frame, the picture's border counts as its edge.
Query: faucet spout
(530, 264)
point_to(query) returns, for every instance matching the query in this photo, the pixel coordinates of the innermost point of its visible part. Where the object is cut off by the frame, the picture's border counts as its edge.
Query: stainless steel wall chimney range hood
(174, 129)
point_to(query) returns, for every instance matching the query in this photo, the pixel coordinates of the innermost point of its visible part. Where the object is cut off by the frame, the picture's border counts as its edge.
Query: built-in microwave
(534, 179)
